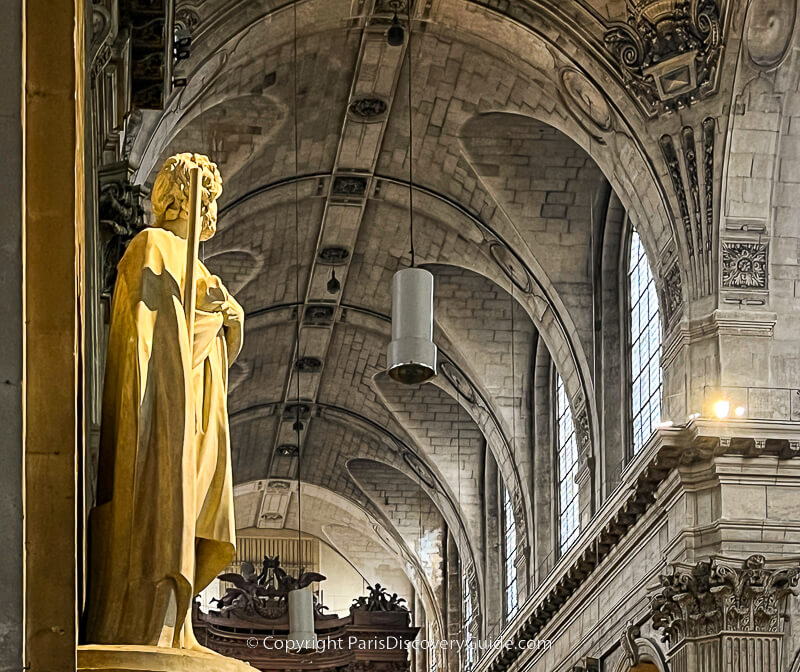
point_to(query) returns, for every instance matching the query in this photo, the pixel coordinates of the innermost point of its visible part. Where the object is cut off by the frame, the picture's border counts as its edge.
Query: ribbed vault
(505, 178)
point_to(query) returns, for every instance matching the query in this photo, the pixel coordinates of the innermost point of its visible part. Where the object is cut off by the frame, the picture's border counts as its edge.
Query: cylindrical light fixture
(301, 638)
(412, 352)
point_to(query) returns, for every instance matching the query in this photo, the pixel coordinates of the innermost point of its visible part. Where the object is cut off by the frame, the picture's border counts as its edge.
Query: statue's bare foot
(190, 642)
(199, 648)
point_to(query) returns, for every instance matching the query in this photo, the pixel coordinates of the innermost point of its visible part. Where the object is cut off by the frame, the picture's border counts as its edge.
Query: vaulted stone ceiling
(521, 126)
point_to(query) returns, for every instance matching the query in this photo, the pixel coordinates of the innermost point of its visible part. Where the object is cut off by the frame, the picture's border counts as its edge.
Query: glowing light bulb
(740, 411)
(722, 408)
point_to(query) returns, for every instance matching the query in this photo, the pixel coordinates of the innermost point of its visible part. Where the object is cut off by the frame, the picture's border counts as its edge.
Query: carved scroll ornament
(668, 51)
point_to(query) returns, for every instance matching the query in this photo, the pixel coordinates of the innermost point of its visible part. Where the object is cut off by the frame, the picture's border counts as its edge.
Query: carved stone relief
(420, 469)
(187, 17)
(121, 217)
(674, 167)
(668, 52)
(709, 128)
(511, 266)
(391, 7)
(713, 597)
(744, 265)
(695, 200)
(458, 381)
(769, 28)
(595, 114)
(672, 293)
(368, 109)
(349, 185)
(690, 161)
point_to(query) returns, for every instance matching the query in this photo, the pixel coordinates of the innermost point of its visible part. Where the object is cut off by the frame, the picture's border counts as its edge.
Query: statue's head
(170, 195)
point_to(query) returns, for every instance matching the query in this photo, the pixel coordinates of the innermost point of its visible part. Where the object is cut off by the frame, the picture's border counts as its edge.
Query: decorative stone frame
(638, 650)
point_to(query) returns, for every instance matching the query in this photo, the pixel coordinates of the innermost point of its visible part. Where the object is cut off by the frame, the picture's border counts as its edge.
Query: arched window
(510, 553)
(569, 525)
(645, 333)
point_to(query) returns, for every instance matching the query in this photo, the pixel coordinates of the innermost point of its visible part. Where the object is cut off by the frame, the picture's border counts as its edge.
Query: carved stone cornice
(719, 323)
(716, 596)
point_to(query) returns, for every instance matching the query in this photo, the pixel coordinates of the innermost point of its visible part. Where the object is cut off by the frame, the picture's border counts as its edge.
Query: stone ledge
(758, 324)
(127, 658)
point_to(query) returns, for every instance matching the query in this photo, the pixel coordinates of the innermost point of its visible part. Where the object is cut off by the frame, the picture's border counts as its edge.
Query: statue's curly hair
(171, 190)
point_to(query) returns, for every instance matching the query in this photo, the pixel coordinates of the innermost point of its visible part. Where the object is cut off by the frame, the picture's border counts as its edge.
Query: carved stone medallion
(744, 265)
(768, 31)
(454, 376)
(587, 98)
(349, 185)
(420, 469)
(368, 109)
(511, 266)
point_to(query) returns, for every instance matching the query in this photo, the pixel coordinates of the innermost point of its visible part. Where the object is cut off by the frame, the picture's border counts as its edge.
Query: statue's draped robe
(163, 526)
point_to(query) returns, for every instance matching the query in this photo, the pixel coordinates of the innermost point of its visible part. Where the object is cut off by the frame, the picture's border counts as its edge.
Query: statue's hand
(211, 295)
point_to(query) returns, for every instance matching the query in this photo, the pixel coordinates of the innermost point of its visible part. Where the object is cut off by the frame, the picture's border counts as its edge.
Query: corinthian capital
(717, 596)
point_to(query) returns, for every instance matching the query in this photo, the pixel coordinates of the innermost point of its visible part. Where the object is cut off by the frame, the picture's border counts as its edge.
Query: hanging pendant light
(412, 352)
(301, 637)
(300, 600)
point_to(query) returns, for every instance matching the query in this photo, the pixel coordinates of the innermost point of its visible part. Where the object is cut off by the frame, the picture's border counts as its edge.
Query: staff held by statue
(192, 251)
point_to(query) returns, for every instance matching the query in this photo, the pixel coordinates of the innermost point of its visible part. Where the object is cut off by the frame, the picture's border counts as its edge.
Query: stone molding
(719, 323)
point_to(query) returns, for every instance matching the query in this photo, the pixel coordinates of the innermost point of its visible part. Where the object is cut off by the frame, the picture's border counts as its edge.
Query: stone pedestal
(119, 658)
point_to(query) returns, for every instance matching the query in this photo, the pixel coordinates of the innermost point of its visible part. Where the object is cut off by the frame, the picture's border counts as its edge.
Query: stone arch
(459, 381)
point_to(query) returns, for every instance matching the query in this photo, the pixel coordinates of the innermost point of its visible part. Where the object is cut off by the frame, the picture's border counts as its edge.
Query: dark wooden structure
(252, 624)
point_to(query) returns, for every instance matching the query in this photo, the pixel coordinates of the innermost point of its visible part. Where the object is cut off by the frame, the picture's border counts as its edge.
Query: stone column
(53, 262)
(11, 332)
(720, 615)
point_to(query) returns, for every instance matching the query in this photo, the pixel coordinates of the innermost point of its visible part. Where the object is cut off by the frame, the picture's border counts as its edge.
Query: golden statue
(163, 526)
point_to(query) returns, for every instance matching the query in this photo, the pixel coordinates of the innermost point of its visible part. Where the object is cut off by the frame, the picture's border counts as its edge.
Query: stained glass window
(568, 512)
(645, 347)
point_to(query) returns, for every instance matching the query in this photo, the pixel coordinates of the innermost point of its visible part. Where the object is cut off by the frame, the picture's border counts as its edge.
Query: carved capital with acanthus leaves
(717, 596)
